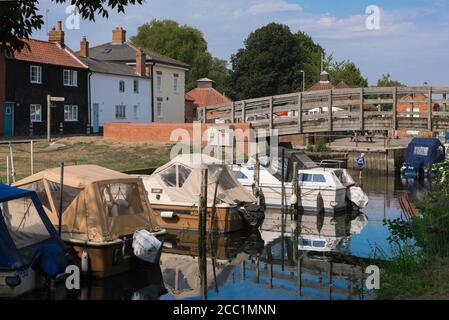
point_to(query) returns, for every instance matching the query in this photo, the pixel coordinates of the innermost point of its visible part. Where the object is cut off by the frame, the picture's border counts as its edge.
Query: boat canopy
(181, 180)
(98, 204)
(26, 233)
(425, 152)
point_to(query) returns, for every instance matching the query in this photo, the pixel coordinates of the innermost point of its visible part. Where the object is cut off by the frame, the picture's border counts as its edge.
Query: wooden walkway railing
(373, 108)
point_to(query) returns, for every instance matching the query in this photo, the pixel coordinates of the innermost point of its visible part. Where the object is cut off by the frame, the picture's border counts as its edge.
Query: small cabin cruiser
(174, 191)
(30, 248)
(422, 153)
(106, 216)
(322, 188)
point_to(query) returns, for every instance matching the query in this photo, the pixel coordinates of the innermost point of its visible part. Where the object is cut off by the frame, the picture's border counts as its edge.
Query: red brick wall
(157, 132)
(2, 89)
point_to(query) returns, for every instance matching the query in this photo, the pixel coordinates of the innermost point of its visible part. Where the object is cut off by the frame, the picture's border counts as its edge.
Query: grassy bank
(84, 150)
(420, 265)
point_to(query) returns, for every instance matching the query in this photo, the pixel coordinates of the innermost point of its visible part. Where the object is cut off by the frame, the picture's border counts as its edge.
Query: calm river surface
(326, 260)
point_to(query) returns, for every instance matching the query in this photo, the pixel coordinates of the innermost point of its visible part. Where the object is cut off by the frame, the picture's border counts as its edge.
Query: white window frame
(136, 112)
(175, 84)
(120, 86)
(38, 70)
(159, 82)
(136, 85)
(37, 115)
(71, 110)
(70, 78)
(159, 107)
(120, 115)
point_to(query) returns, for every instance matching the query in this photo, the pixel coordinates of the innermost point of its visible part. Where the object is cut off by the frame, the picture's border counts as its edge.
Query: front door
(8, 119)
(95, 118)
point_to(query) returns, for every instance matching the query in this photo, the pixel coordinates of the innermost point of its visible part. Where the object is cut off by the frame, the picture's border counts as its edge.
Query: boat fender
(84, 261)
(168, 214)
(114, 210)
(293, 199)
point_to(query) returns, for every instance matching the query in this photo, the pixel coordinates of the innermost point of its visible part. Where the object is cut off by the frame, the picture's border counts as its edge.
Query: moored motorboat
(174, 191)
(31, 251)
(102, 210)
(322, 188)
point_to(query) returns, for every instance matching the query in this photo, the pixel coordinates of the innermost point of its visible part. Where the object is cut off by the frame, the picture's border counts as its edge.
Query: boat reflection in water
(310, 261)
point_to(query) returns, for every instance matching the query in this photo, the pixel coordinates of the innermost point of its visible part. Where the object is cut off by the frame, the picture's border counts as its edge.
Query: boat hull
(311, 199)
(30, 280)
(106, 259)
(186, 218)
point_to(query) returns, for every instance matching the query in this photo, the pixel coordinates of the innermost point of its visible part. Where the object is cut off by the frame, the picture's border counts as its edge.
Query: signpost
(51, 99)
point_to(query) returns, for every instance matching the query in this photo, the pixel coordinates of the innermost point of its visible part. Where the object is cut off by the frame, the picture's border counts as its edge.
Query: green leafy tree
(386, 81)
(183, 43)
(267, 65)
(21, 17)
(346, 71)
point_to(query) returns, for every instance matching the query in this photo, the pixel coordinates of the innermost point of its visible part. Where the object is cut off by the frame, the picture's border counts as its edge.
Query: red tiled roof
(327, 86)
(321, 86)
(207, 97)
(48, 53)
(187, 97)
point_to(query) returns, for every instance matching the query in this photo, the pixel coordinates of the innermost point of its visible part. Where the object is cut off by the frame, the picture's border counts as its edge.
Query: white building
(168, 75)
(117, 92)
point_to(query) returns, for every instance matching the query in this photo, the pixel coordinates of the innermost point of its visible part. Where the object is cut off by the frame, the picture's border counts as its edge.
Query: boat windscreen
(121, 199)
(23, 222)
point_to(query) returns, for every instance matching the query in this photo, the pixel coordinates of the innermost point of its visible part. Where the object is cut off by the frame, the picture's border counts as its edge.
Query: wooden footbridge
(337, 110)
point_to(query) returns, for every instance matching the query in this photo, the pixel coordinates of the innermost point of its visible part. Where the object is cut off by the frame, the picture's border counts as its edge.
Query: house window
(71, 78)
(70, 113)
(121, 85)
(136, 86)
(120, 112)
(136, 112)
(159, 81)
(35, 113)
(35, 74)
(159, 109)
(175, 83)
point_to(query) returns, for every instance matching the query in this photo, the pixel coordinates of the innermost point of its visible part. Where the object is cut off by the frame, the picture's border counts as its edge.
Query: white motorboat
(322, 188)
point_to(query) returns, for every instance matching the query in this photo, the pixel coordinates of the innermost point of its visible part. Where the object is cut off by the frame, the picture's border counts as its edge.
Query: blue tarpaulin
(423, 152)
(48, 254)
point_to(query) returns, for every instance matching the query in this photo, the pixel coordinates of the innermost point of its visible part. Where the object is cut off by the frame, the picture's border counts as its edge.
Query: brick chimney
(204, 83)
(325, 77)
(140, 62)
(118, 35)
(56, 35)
(84, 48)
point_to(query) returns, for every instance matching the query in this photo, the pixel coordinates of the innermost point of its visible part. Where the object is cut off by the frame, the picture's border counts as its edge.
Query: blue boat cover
(425, 152)
(48, 255)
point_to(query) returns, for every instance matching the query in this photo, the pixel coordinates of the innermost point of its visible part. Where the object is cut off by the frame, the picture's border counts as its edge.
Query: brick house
(206, 95)
(44, 68)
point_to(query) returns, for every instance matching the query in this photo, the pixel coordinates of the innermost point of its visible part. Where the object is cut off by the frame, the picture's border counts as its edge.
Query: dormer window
(35, 74)
(70, 78)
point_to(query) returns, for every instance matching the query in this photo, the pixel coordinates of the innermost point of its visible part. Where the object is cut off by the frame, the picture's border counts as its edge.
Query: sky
(410, 41)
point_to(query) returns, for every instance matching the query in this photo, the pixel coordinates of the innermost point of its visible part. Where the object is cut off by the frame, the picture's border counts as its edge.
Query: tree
(347, 72)
(20, 18)
(309, 58)
(268, 64)
(183, 43)
(386, 81)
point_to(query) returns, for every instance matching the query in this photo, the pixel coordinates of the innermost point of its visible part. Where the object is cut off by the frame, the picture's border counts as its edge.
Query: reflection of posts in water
(299, 265)
(202, 212)
(329, 272)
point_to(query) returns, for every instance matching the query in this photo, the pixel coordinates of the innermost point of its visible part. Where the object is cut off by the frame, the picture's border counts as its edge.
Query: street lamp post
(303, 80)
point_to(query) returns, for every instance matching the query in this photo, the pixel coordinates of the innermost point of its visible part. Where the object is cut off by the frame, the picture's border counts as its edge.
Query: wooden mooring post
(202, 218)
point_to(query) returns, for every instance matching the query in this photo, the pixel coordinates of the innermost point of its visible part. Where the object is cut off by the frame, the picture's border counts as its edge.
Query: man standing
(361, 164)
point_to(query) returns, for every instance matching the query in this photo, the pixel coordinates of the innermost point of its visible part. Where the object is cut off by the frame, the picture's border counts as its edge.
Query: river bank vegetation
(419, 268)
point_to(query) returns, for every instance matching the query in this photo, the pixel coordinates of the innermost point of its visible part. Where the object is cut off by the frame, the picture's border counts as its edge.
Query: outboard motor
(252, 214)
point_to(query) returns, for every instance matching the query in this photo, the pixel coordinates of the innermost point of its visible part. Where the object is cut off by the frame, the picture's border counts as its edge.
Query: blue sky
(412, 43)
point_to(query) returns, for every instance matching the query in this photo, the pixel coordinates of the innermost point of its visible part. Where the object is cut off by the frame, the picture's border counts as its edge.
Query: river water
(325, 259)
